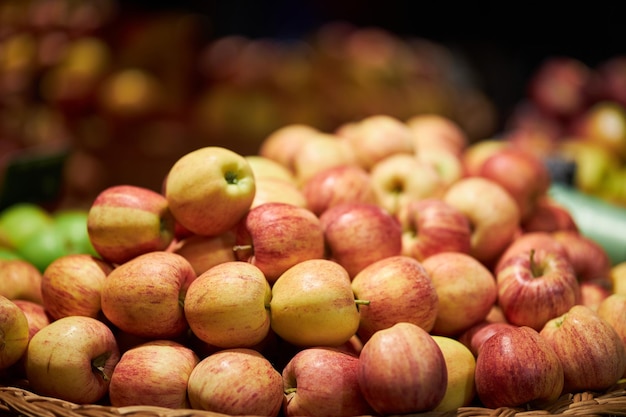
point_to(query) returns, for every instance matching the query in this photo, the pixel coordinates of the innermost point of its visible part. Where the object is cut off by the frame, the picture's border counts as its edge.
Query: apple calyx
(231, 177)
(98, 363)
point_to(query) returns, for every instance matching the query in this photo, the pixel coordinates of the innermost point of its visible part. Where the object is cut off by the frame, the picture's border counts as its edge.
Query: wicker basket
(20, 402)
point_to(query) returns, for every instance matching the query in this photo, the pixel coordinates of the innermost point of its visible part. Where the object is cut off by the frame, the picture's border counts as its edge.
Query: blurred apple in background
(358, 234)
(589, 259)
(227, 305)
(548, 216)
(154, 373)
(402, 370)
(398, 289)
(283, 144)
(20, 279)
(36, 316)
(236, 382)
(14, 333)
(276, 190)
(72, 224)
(435, 131)
(461, 366)
(517, 367)
(591, 352)
(448, 165)
(313, 304)
(126, 221)
(466, 290)
(296, 235)
(72, 359)
(320, 152)
(264, 167)
(592, 293)
(72, 285)
(20, 221)
(204, 252)
(604, 123)
(321, 381)
(145, 295)
(476, 153)
(618, 278)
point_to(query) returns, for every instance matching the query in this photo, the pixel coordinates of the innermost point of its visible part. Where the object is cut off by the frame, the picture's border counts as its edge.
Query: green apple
(43, 247)
(20, 221)
(72, 225)
(8, 254)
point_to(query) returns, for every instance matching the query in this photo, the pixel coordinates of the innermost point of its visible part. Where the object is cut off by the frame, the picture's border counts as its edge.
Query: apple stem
(290, 390)
(362, 302)
(534, 268)
(98, 364)
(242, 247)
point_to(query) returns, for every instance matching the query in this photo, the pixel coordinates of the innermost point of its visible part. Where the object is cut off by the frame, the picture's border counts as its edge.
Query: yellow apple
(461, 364)
(618, 277)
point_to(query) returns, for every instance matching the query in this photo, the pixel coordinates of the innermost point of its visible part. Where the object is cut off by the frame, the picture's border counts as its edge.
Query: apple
(431, 226)
(589, 259)
(36, 315)
(358, 234)
(72, 284)
(402, 370)
(474, 337)
(612, 310)
(204, 252)
(604, 123)
(592, 293)
(377, 137)
(529, 241)
(536, 286)
(14, 333)
(130, 93)
(264, 167)
(276, 236)
(447, 164)
(591, 352)
(236, 382)
(521, 173)
(126, 221)
(145, 295)
(320, 152)
(476, 153)
(153, 373)
(516, 367)
(208, 190)
(336, 185)
(20, 279)
(227, 305)
(461, 366)
(322, 381)
(401, 178)
(548, 216)
(277, 190)
(434, 131)
(617, 275)
(72, 225)
(493, 214)
(398, 289)
(20, 221)
(283, 144)
(313, 304)
(72, 359)
(466, 290)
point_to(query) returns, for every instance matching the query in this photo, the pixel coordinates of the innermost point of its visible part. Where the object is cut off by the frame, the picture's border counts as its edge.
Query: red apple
(516, 367)
(358, 234)
(530, 241)
(466, 290)
(536, 286)
(476, 153)
(322, 381)
(431, 226)
(236, 382)
(476, 335)
(153, 373)
(36, 315)
(588, 257)
(276, 236)
(604, 123)
(336, 185)
(402, 370)
(144, 296)
(591, 352)
(20, 279)
(549, 216)
(204, 252)
(283, 144)
(72, 285)
(72, 359)
(398, 289)
(125, 221)
(592, 293)
(434, 131)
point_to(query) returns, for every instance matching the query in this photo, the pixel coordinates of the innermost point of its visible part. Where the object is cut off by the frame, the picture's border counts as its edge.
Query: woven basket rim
(16, 401)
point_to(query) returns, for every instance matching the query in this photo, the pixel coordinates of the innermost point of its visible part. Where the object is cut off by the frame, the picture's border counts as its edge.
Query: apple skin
(548, 216)
(154, 373)
(36, 315)
(322, 381)
(320, 152)
(516, 366)
(478, 152)
(591, 352)
(617, 275)
(521, 173)
(20, 221)
(72, 359)
(295, 235)
(277, 190)
(236, 382)
(461, 366)
(536, 286)
(402, 370)
(529, 241)
(493, 214)
(283, 144)
(592, 293)
(358, 234)
(125, 221)
(264, 167)
(613, 309)
(313, 304)
(432, 226)
(474, 337)
(144, 296)
(14, 333)
(336, 185)
(210, 189)
(466, 290)
(227, 305)
(398, 289)
(20, 279)
(588, 257)
(72, 285)
(434, 131)
(204, 252)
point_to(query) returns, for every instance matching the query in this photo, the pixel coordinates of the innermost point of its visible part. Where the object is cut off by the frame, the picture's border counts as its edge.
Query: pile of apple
(387, 267)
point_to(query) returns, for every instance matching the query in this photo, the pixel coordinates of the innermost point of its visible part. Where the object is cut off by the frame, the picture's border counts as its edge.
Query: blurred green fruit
(43, 247)
(8, 254)
(20, 221)
(72, 225)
